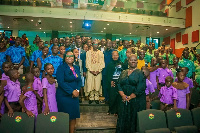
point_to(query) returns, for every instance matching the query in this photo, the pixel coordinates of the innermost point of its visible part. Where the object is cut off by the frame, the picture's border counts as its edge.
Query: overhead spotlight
(108, 24)
(130, 33)
(40, 28)
(8, 27)
(44, 32)
(70, 22)
(32, 20)
(104, 28)
(120, 38)
(158, 32)
(101, 31)
(87, 24)
(39, 21)
(166, 29)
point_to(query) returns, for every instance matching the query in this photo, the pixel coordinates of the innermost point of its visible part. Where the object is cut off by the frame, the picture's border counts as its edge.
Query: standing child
(168, 95)
(149, 87)
(163, 72)
(62, 51)
(12, 93)
(183, 91)
(40, 59)
(175, 66)
(78, 62)
(37, 86)
(28, 100)
(171, 57)
(49, 90)
(6, 67)
(141, 61)
(2, 52)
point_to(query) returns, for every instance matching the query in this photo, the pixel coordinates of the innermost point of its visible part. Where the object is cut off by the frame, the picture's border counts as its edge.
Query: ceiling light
(120, 38)
(130, 33)
(40, 28)
(158, 32)
(70, 22)
(166, 29)
(8, 27)
(108, 24)
(71, 33)
(104, 28)
(32, 20)
(44, 32)
(71, 26)
(101, 31)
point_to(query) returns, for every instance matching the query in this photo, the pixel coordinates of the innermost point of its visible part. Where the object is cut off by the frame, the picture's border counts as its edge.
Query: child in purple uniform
(48, 85)
(183, 91)
(6, 66)
(168, 95)
(37, 86)
(28, 99)
(163, 72)
(2, 105)
(149, 87)
(12, 93)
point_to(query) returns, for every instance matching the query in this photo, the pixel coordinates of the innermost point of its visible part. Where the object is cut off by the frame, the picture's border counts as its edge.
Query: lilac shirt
(153, 78)
(149, 87)
(163, 73)
(37, 86)
(167, 95)
(12, 91)
(4, 77)
(31, 102)
(188, 81)
(51, 95)
(182, 101)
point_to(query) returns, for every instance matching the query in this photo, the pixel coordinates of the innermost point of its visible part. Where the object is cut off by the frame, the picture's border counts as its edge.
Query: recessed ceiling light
(71, 33)
(70, 22)
(108, 24)
(44, 32)
(130, 33)
(32, 20)
(120, 38)
(40, 28)
(104, 28)
(8, 27)
(101, 31)
(158, 32)
(166, 29)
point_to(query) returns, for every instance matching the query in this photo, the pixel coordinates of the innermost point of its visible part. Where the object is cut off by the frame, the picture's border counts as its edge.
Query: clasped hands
(128, 98)
(95, 73)
(75, 93)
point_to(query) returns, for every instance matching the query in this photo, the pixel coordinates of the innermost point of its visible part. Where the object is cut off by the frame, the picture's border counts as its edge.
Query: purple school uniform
(153, 78)
(4, 77)
(163, 73)
(188, 81)
(12, 91)
(149, 87)
(181, 101)
(37, 86)
(168, 94)
(31, 102)
(51, 95)
(2, 110)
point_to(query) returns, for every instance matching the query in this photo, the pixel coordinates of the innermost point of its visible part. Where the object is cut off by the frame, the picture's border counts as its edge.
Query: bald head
(115, 55)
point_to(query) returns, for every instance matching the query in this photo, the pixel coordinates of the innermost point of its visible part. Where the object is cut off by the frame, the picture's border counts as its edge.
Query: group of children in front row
(160, 84)
(35, 97)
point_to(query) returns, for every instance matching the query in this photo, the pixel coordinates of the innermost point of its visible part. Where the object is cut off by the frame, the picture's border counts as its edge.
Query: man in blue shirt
(54, 59)
(16, 55)
(107, 59)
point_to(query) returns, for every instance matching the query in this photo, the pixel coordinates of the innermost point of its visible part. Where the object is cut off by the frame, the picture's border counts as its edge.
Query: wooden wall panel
(188, 18)
(195, 36)
(188, 1)
(172, 44)
(162, 4)
(167, 40)
(185, 39)
(178, 6)
(169, 1)
(178, 37)
(178, 52)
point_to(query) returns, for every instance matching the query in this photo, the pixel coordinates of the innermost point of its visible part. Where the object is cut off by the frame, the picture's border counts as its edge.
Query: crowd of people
(63, 72)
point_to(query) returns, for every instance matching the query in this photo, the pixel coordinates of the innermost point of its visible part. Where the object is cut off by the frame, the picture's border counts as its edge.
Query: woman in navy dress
(69, 84)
